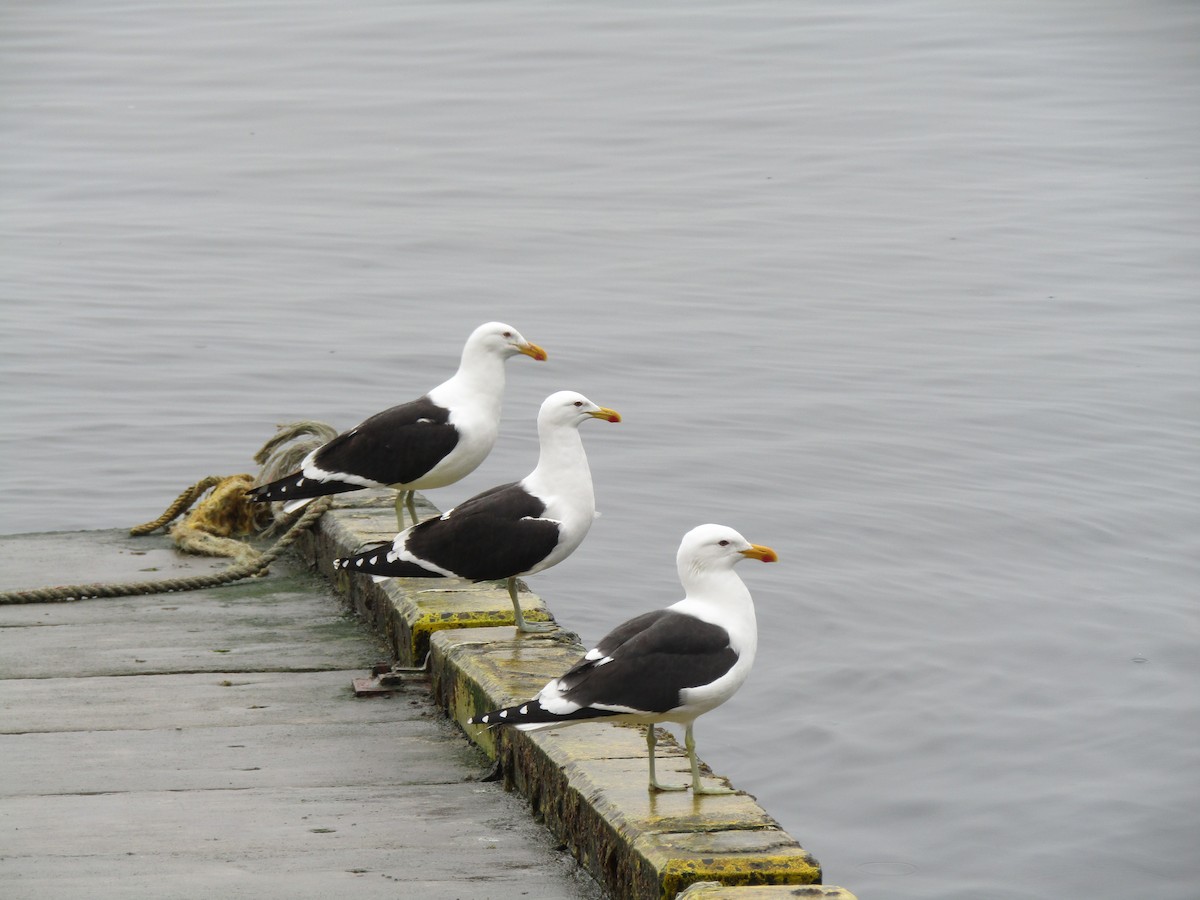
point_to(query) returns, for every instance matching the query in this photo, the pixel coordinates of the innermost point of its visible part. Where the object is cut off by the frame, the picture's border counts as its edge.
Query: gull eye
(579, 403)
(508, 334)
(724, 543)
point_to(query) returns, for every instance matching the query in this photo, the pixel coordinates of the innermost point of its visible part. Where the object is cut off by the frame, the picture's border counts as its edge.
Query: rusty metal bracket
(387, 679)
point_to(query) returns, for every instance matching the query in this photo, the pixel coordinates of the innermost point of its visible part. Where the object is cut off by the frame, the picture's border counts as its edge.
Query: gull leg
(522, 625)
(651, 740)
(690, 743)
(412, 506)
(403, 497)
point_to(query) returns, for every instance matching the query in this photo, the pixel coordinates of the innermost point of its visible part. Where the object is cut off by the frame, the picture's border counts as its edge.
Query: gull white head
(571, 408)
(501, 340)
(713, 548)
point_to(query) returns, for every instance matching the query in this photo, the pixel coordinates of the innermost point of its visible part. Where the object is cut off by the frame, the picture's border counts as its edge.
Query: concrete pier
(208, 744)
(586, 782)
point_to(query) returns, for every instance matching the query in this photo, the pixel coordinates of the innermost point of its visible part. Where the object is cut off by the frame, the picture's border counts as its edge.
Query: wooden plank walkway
(208, 744)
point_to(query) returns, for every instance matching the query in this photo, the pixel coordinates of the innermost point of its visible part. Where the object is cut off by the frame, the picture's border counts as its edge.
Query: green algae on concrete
(503, 663)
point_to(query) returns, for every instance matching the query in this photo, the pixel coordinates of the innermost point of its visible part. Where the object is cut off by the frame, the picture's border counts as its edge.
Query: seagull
(670, 665)
(429, 442)
(512, 529)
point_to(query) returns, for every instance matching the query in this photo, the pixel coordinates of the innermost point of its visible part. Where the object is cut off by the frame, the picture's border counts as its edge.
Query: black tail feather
(374, 561)
(297, 487)
(531, 712)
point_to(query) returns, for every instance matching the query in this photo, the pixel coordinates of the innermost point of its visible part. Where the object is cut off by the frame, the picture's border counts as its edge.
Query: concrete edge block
(710, 890)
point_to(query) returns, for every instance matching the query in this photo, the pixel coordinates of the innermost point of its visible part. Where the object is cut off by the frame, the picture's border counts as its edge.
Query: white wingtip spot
(525, 710)
(283, 489)
(299, 482)
(504, 713)
(374, 559)
(358, 562)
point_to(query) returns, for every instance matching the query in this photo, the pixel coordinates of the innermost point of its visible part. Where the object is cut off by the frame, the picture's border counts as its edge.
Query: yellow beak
(758, 551)
(533, 350)
(608, 415)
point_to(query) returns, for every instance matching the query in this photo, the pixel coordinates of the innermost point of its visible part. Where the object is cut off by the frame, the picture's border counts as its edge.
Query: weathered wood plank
(192, 701)
(368, 841)
(209, 744)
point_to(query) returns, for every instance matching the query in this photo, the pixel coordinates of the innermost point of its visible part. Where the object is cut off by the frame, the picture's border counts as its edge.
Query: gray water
(906, 290)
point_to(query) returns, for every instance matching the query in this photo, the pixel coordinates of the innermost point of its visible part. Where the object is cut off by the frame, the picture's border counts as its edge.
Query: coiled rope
(226, 511)
(183, 502)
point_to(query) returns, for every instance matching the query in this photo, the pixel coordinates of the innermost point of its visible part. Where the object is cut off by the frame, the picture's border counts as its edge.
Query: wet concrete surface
(209, 744)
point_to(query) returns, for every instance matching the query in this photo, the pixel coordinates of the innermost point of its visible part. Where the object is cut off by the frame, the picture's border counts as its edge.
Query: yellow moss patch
(789, 868)
(709, 890)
